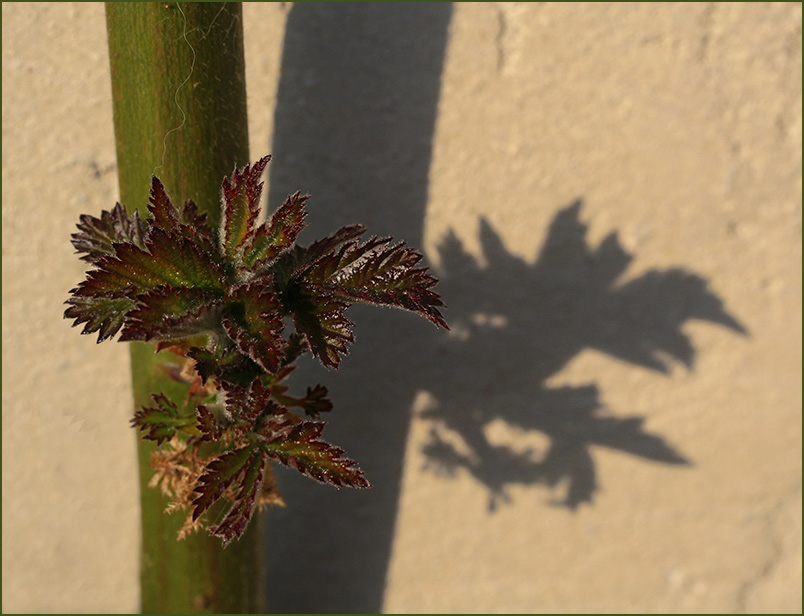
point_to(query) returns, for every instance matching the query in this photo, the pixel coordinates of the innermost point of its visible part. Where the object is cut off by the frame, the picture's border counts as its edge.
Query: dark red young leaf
(226, 364)
(104, 313)
(166, 260)
(191, 216)
(96, 235)
(208, 425)
(327, 245)
(220, 474)
(207, 362)
(245, 501)
(277, 235)
(173, 313)
(187, 223)
(241, 408)
(160, 423)
(313, 402)
(245, 405)
(339, 264)
(254, 324)
(298, 445)
(378, 272)
(164, 214)
(195, 227)
(295, 347)
(241, 206)
(321, 320)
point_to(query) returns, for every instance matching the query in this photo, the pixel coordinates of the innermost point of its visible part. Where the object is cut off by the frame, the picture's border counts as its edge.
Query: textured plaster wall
(611, 195)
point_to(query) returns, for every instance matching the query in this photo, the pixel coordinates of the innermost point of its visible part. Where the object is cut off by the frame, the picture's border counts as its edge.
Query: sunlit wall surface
(611, 196)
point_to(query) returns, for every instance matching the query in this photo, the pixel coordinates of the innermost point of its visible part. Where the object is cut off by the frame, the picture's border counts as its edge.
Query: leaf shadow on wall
(517, 324)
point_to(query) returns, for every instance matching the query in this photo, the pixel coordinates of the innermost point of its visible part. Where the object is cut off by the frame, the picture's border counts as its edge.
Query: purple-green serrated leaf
(241, 408)
(96, 235)
(276, 235)
(208, 425)
(245, 406)
(159, 423)
(328, 244)
(298, 445)
(235, 400)
(295, 347)
(236, 520)
(254, 324)
(167, 260)
(377, 272)
(206, 362)
(323, 323)
(336, 265)
(225, 364)
(172, 313)
(219, 475)
(187, 223)
(191, 216)
(164, 214)
(241, 206)
(195, 226)
(315, 401)
(104, 314)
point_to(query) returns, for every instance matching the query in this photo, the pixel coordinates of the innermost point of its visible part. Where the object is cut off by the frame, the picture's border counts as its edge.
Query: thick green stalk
(178, 88)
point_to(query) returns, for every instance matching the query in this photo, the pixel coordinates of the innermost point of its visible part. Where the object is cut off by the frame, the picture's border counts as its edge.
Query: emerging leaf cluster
(241, 303)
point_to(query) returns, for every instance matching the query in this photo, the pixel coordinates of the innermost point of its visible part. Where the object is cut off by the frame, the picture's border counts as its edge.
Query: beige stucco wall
(678, 127)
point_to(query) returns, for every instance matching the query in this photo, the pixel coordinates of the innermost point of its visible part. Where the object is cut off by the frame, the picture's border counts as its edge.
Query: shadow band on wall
(354, 125)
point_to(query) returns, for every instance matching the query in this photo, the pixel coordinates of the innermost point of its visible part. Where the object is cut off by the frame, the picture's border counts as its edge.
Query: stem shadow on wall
(354, 123)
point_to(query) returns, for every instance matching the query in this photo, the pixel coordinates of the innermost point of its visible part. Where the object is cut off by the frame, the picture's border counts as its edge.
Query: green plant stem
(178, 88)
